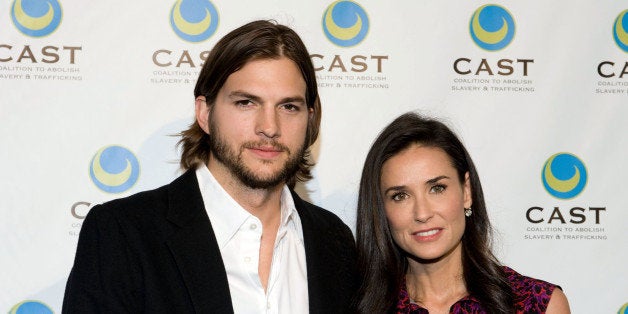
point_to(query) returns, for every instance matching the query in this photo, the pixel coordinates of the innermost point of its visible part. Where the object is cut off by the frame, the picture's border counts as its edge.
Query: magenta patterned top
(531, 296)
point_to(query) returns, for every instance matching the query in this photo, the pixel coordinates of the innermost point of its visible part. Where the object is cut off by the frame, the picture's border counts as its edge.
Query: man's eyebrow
(292, 99)
(243, 94)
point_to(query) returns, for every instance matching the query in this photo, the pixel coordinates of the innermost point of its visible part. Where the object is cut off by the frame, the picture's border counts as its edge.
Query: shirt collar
(289, 215)
(227, 216)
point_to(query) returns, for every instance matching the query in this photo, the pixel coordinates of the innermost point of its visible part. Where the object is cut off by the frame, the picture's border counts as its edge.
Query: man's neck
(265, 204)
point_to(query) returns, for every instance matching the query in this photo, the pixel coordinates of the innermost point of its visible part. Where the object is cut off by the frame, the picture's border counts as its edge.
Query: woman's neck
(436, 285)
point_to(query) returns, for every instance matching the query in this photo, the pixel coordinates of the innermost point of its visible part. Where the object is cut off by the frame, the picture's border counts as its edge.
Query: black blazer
(156, 252)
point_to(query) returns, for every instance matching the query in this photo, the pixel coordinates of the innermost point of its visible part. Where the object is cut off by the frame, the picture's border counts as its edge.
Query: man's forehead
(261, 74)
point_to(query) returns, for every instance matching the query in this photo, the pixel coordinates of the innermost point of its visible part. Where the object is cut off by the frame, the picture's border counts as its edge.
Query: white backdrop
(114, 80)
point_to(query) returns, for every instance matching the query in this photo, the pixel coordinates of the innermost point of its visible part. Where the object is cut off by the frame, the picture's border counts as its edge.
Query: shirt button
(247, 259)
(253, 226)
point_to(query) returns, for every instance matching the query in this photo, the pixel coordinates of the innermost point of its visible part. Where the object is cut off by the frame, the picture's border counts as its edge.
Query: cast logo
(194, 20)
(619, 30)
(114, 169)
(345, 23)
(36, 18)
(612, 69)
(623, 309)
(492, 27)
(31, 307)
(564, 176)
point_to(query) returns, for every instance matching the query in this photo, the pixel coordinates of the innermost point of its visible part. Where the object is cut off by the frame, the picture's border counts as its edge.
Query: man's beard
(223, 153)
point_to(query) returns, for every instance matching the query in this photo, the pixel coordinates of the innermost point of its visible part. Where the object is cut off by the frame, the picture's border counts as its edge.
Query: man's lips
(266, 151)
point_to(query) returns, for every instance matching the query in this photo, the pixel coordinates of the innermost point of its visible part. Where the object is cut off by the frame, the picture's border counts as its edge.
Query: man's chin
(265, 183)
(262, 178)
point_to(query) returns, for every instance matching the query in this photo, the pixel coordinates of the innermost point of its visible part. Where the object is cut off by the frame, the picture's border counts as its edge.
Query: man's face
(258, 124)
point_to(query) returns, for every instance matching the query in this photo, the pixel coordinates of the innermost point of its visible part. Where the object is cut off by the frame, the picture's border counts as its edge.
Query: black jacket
(156, 252)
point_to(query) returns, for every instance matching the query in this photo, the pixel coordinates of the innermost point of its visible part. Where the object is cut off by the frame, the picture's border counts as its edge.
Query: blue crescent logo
(194, 20)
(31, 307)
(36, 18)
(492, 27)
(114, 169)
(345, 23)
(620, 28)
(564, 176)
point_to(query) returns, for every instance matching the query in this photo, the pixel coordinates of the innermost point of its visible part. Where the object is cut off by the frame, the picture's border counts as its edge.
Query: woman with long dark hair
(423, 233)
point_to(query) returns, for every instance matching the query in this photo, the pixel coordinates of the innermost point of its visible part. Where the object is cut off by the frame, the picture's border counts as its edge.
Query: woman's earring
(468, 212)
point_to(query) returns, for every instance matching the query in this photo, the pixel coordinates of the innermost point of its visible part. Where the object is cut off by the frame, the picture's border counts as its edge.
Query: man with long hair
(230, 234)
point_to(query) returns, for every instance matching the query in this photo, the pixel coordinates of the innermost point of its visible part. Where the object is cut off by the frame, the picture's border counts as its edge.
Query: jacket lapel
(195, 248)
(313, 251)
(330, 256)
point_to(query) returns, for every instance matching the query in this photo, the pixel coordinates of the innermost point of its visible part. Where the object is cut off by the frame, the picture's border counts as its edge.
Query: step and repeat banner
(92, 95)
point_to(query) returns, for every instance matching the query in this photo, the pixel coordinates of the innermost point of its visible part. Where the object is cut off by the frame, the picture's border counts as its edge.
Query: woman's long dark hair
(382, 263)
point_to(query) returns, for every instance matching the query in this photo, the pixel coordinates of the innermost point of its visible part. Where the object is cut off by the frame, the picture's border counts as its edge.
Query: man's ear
(201, 109)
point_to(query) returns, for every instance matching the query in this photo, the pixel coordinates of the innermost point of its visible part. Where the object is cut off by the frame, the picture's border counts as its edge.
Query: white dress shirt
(239, 237)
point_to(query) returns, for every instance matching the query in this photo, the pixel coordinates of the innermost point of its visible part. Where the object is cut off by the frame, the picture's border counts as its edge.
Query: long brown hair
(253, 41)
(382, 263)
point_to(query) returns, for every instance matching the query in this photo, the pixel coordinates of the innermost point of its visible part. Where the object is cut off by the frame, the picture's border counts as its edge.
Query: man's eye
(291, 107)
(244, 102)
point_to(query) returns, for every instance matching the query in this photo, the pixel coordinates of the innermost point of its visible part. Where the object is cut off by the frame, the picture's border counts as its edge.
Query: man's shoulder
(149, 202)
(135, 209)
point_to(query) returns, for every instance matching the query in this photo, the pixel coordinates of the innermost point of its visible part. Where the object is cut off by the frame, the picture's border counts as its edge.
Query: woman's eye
(399, 197)
(439, 188)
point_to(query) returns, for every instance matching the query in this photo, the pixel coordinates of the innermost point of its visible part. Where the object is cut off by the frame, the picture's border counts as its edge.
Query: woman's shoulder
(531, 295)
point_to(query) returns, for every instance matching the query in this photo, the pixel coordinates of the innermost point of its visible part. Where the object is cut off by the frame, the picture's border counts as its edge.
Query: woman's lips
(427, 235)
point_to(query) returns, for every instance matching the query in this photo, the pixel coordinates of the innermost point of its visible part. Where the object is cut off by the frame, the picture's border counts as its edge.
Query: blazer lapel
(316, 279)
(330, 256)
(195, 248)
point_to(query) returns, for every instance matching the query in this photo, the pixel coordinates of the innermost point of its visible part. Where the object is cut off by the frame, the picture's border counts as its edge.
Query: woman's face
(424, 202)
